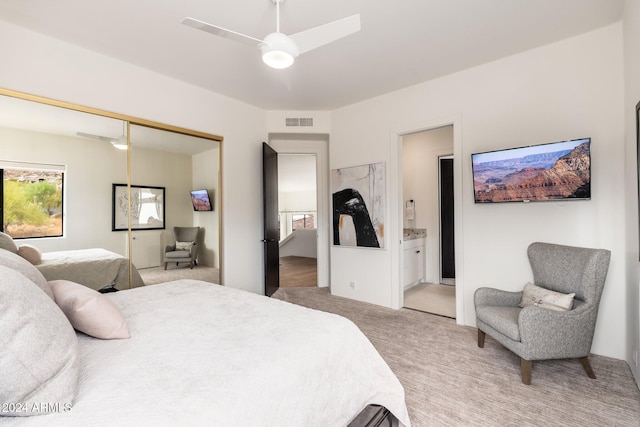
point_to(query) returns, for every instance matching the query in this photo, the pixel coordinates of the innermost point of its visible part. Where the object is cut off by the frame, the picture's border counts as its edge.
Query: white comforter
(203, 354)
(95, 268)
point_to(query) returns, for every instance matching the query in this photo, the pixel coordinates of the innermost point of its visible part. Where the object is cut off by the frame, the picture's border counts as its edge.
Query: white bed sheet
(95, 268)
(203, 354)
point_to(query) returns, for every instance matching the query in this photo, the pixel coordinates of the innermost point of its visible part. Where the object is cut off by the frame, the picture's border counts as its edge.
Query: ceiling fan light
(278, 51)
(277, 59)
(120, 143)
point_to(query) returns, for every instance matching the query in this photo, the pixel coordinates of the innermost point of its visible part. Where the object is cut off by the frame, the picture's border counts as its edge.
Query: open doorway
(428, 234)
(298, 216)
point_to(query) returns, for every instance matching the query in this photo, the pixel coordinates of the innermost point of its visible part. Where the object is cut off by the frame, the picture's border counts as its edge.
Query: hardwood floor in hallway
(298, 271)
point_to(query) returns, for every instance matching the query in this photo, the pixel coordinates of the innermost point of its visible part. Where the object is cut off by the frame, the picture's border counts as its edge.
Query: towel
(410, 213)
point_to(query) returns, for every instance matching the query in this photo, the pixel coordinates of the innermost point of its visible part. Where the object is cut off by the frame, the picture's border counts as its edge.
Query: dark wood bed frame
(374, 416)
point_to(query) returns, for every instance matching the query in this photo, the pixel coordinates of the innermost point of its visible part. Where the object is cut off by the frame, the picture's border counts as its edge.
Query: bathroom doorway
(427, 195)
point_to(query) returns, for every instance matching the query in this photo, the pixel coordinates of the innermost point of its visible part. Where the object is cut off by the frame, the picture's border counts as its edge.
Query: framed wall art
(358, 194)
(146, 205)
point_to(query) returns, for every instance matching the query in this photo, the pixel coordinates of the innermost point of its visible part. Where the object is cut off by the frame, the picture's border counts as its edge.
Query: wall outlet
(352, 285)
(635, 357)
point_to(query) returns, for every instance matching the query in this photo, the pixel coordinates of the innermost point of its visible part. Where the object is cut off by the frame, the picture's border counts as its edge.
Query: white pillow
(89, 311)
(541, 297)
(24, 267)
(30, 253)
(6, 242)
(38, 350)
(184, 246)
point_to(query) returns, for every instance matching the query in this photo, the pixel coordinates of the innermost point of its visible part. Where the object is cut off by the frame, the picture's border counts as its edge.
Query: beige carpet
(155, 275)
(449, 381)
(432, 298)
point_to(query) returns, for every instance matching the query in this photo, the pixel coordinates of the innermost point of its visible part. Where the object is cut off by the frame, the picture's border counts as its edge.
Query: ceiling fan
(279, 50)
(120, 142)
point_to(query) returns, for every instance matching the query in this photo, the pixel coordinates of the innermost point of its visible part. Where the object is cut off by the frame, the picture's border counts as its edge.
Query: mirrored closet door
(76, 179)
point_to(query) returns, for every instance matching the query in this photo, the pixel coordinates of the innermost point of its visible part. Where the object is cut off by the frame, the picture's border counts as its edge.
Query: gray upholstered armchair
(537, 333)
(185, 248)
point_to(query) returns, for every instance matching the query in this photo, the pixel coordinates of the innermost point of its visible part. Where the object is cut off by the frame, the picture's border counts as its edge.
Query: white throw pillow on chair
(541, 297)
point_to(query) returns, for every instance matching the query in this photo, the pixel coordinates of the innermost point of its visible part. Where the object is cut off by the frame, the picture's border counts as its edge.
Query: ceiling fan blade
(98, 137)
(222, 32)
(325, 34)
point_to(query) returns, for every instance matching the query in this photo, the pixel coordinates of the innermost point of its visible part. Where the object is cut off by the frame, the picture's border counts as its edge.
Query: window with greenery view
(31, 203)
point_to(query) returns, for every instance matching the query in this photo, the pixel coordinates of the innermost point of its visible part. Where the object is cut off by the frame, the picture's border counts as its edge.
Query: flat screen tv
(556, 171)
(201, 201)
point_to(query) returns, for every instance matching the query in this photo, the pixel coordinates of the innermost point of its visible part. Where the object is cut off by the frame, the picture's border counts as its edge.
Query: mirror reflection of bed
(46, 136)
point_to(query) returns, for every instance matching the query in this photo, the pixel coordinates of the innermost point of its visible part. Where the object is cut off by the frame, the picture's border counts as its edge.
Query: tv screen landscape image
(200, 200)
(555, 171)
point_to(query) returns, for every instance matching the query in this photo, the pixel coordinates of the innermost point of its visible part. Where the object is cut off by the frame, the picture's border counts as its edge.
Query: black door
(447, 248)
(271, 227)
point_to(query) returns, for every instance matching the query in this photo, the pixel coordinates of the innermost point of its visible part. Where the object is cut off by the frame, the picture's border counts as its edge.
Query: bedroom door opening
(298, 214)
(311, 152)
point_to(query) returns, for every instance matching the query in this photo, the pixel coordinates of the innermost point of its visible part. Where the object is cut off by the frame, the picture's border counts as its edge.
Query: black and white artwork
(146, 206)
(358, 205)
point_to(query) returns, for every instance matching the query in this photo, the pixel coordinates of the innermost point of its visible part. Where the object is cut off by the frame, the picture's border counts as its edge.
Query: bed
(96, 268)
(201, 354)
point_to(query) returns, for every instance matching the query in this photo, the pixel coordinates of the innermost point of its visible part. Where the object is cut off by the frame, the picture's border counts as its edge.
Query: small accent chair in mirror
(535, 332)
(185, 248)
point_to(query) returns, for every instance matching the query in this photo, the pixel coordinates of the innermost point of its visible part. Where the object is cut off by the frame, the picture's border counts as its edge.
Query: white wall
(565, 90)
(632, 92)
(297, 201)
(205, 176)
(303, 243)
(43, 66)
(420, 153)
(276, 122)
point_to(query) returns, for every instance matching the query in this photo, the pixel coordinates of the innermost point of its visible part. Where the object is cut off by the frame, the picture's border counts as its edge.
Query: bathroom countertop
(413, 233)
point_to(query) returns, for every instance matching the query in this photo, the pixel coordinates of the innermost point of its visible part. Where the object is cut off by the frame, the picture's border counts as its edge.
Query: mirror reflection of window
(31, 200)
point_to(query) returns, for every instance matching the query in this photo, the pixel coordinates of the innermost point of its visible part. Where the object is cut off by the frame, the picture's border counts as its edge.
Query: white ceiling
(402, 42)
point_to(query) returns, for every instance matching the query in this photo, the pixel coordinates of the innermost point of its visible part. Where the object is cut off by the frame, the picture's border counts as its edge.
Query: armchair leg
(587, 367)
(525, 367)
(165, 265)
(481, 336)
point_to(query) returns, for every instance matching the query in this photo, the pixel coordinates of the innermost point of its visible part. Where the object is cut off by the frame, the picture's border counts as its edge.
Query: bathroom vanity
(413, 256)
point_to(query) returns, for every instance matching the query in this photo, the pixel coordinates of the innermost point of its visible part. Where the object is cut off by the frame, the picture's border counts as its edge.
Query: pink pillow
(89, 311)
(30, 253)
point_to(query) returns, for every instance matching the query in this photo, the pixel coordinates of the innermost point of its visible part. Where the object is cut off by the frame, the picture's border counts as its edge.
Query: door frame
(318, 145)
(395, 177)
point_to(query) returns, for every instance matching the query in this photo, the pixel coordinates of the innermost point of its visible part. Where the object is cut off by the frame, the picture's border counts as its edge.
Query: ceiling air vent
(295, 121)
